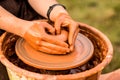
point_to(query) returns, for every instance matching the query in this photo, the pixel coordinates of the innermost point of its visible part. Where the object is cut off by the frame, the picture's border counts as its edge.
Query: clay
(39, 39)
(63, 36)
(83, 51)
(98, 56)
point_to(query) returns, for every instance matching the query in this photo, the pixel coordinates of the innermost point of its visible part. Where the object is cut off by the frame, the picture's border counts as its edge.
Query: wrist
(30, 27)
(56, 11)
(24, 27)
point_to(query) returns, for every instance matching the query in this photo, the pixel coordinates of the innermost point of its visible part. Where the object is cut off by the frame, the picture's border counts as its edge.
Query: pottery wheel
(82, 53)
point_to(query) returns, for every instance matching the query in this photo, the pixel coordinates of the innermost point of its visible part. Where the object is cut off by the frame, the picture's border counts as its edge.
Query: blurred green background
(103, 15)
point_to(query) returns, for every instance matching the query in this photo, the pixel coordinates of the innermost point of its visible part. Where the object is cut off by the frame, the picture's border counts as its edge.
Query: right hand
(64, 20)
(37, 37)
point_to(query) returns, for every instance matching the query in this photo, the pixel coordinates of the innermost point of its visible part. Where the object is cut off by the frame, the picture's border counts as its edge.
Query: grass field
(103, 15)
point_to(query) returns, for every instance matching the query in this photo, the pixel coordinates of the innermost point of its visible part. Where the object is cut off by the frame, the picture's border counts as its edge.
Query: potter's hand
(65, 20)
(37, 37)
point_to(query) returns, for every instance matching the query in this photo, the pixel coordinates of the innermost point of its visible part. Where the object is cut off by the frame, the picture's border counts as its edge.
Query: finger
(49, 27)
(54, 47)
(49, 51)
(75, 35)
(72, 29)
(58, 24)
(45, 49)
(74, 39)
(66, 23)
(51, 39)
(33, 45)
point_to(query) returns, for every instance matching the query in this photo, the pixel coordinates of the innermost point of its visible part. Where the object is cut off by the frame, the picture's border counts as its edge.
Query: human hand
(37, 37)
(65, 20)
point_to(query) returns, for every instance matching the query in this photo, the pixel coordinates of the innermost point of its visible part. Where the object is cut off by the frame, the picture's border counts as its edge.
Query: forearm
(42, 6)
(12, 24)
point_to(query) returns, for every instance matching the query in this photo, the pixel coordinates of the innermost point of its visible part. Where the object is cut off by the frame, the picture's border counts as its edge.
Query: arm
(59, 16)
(42, 6)
(13, 24)
(33, 32)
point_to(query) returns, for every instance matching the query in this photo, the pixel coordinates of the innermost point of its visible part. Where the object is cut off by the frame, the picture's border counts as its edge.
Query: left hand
(65, 20)
(37, 36)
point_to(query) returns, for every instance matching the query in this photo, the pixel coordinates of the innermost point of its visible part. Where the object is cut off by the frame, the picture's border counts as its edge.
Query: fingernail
(70, 42)
(65, 45)
(68, 50)
(71, 48)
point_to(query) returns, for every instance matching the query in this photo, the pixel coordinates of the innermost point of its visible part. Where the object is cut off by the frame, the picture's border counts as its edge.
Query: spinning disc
(82, 53)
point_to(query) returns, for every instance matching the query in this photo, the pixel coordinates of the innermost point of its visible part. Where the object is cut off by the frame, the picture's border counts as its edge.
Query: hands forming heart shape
(41, 36)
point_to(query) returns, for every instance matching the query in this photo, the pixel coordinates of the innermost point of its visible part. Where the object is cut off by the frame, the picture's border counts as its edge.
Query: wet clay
(82, 52)
(8, 47)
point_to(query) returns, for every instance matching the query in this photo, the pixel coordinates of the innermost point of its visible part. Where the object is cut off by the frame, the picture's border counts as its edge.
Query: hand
(65, 20)
(37, 37)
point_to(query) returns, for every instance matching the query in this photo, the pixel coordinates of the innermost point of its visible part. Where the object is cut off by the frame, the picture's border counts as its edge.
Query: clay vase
(16, 73)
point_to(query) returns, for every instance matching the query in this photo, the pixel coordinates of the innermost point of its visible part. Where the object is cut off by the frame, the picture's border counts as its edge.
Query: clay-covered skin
(64, 20)
(8, 47)
(39, 39)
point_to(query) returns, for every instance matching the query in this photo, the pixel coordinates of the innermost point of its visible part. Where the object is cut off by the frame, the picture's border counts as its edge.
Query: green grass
(103, 15)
